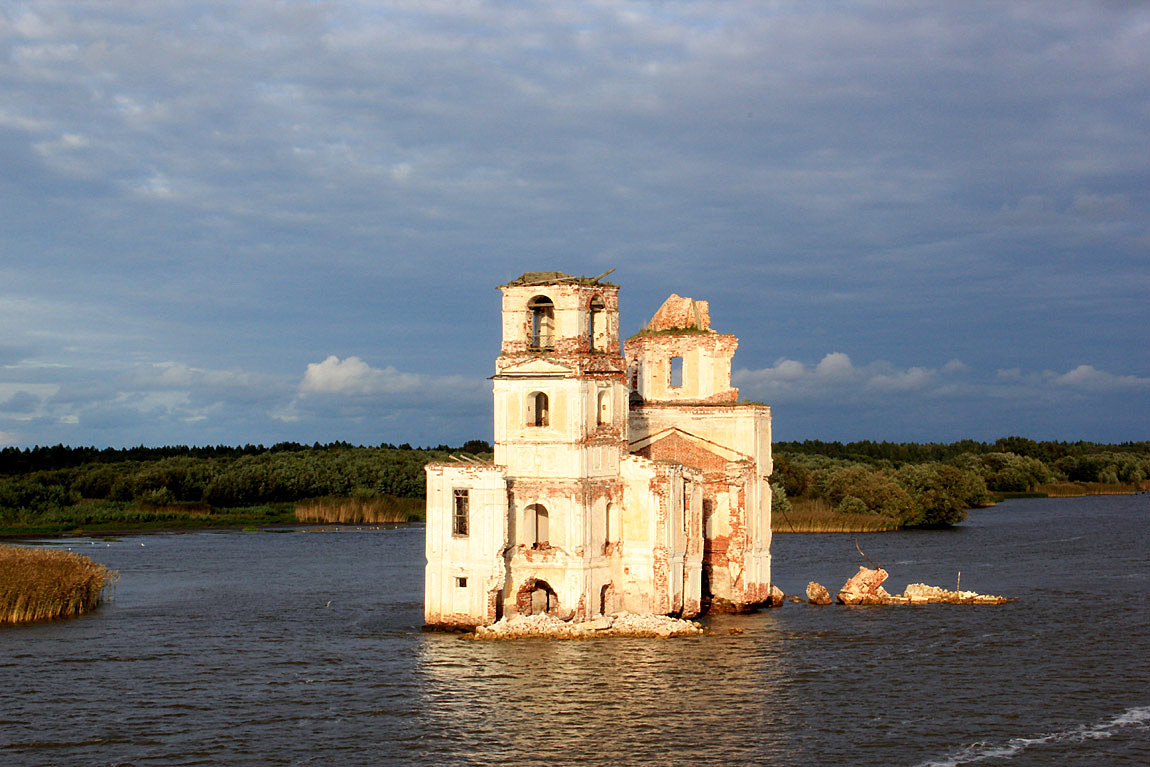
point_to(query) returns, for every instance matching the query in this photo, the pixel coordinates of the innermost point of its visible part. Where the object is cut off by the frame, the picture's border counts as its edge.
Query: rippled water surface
(285, 648)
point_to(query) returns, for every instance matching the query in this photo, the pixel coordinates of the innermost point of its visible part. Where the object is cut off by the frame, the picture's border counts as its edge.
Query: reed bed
(816, 516)
(1076, 489)
(42, 584)
(359, 511)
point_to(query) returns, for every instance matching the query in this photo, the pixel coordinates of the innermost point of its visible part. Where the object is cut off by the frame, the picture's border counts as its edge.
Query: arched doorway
(536, 597)
(607, 599)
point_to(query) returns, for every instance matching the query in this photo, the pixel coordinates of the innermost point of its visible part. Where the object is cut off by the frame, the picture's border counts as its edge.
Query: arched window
(611, 522)
(538, 412)
(542, 322)
(676, 373)
(603, 414)
(594, 321)
(538, 526)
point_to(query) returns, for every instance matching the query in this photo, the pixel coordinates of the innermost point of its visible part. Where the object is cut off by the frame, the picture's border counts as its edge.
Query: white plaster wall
(476, 556)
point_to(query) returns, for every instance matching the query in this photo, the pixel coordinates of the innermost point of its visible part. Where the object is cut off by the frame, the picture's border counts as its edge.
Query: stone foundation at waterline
(618, 625)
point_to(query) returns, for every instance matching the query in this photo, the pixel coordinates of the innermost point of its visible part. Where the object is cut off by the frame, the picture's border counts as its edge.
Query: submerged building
(624, 478)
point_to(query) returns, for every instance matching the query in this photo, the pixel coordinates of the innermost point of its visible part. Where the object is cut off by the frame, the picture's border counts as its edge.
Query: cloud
(351, 390)
(22, 402)
(1089, 378)
(836, 375)
(354, 376)
(183, 376)
(1101, 207)
(836, 366)
(912, 379)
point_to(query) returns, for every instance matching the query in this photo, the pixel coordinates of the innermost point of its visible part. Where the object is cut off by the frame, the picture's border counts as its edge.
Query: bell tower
(560, 436)
(560, 384)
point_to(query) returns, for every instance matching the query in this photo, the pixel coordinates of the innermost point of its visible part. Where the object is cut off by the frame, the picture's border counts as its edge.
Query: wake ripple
(980, 752)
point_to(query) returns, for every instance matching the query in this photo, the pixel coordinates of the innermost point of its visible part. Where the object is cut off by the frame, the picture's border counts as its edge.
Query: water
(304, 648)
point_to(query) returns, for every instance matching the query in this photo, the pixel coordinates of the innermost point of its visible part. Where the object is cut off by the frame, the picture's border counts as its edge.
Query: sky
(256, 222)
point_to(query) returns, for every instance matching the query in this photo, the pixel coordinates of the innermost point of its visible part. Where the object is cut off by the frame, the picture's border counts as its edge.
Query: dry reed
(815, 515)
(358, 511)
(1076, 489)
(42, 584)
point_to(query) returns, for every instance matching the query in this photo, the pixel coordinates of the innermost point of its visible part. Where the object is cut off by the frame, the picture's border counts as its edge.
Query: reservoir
(304, 648)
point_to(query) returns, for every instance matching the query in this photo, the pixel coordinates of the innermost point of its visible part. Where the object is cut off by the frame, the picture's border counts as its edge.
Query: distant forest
(909, 484)
(930, 485)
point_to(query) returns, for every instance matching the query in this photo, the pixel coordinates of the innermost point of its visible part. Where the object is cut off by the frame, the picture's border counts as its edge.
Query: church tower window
(542, 322)
(594, 321)
(538, 411)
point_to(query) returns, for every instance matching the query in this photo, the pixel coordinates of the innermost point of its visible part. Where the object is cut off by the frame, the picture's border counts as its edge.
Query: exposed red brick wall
(675, 448)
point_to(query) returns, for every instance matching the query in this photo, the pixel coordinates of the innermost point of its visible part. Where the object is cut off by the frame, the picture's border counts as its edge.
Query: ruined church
(624, 479)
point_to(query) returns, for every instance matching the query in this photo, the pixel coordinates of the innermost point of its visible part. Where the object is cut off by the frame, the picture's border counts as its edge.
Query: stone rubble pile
(620, 624)
(865, 588)
(817, 594)
(920, 593)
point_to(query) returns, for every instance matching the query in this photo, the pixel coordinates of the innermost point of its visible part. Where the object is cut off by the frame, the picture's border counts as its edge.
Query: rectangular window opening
(459, 517)
(676, 373)
(461, 583)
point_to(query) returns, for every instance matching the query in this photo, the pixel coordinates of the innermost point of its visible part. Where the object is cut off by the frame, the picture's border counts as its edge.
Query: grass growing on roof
(692, 331)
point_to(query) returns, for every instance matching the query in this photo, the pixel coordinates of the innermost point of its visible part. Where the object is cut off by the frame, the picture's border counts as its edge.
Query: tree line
(39, 485)
(913, 484)
(934, 484)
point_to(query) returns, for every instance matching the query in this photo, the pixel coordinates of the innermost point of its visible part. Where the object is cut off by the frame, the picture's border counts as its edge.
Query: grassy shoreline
(111, 517)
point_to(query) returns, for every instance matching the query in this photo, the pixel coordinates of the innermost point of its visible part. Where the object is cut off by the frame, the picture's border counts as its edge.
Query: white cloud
(836, 366)
(912, 379)
(788, 370)
(351, 390)
(181, 375)
(1089, 378)
(354, 376)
